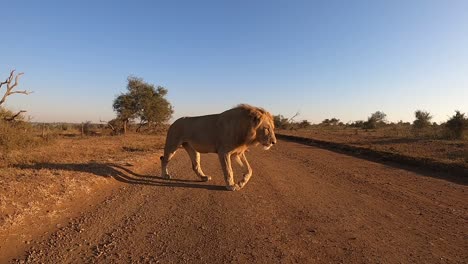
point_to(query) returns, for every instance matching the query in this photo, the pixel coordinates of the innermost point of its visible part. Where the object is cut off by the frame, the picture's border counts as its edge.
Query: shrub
(423, 119)
(86, 128)
(333, 122)
(376, 119)
(116, 125)
(90, 129)
(281, 122)
(358, 124)
(6, 114)
(456, 125)
(16, 135)
(304, 124)
(65, 126)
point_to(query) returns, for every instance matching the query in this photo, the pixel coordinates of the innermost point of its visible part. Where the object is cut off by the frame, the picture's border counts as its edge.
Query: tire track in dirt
(302, 205)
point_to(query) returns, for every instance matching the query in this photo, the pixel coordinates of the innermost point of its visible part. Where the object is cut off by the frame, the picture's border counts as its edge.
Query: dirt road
(302, 205)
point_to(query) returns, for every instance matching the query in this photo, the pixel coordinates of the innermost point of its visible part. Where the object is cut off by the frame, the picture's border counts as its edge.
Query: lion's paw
(241, 184)
(205, 178)
(234, 187)
(167, 177)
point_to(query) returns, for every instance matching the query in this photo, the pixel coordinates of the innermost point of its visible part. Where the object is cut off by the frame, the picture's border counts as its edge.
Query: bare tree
(10, 86)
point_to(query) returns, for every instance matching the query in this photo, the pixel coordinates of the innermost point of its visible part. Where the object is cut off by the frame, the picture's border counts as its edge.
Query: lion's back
(200, 131)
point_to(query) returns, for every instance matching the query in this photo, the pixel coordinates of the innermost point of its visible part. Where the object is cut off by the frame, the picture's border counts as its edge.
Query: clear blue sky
(325, 59)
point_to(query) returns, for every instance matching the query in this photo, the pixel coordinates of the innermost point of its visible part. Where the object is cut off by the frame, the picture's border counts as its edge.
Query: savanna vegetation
(445, 142)
(142, 108)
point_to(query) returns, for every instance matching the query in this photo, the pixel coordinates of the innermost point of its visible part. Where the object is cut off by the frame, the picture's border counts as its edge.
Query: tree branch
(13, 117)
(21, 92)
(16, 81)
(8, 80)
(2, 83)
(10, 87)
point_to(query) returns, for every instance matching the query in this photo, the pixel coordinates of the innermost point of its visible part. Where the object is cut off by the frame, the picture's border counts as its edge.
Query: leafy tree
(142, 101)
(124, 106)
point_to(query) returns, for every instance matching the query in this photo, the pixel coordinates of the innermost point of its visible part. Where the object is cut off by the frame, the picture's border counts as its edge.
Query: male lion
(228, 133)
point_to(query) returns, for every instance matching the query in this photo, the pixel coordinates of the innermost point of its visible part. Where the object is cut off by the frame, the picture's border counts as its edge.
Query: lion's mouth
(267, 146)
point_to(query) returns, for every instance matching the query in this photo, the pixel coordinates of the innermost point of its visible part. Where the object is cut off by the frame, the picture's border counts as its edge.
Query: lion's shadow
(122, 174)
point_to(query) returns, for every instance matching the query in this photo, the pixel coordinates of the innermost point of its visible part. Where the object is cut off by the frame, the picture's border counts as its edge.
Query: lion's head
(260, 128)
(266, 134)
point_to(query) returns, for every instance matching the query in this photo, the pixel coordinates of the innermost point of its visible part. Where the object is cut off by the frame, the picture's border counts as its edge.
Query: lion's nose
(273, 142)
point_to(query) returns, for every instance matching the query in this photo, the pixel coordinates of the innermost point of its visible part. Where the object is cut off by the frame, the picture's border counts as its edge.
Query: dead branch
(8, 80)
(13, 117)
(108, 124)
(10, 86)
(292, 118)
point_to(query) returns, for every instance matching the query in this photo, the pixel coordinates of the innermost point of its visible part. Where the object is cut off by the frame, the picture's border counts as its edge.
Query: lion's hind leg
(169, 151)
(195, 158)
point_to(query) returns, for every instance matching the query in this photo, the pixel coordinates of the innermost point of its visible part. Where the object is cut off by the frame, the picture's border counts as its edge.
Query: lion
(229, 133)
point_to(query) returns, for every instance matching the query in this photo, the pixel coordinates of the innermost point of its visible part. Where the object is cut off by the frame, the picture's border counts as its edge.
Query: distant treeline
(454, 128)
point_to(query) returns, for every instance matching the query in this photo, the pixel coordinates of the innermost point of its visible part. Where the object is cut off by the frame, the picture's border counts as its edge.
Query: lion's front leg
(225, 159)
(248, 173)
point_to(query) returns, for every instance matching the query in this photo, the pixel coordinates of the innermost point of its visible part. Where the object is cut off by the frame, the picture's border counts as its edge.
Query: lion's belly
(202, 148)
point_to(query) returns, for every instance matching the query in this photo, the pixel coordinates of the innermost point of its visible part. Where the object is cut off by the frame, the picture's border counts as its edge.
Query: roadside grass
(398, 139)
